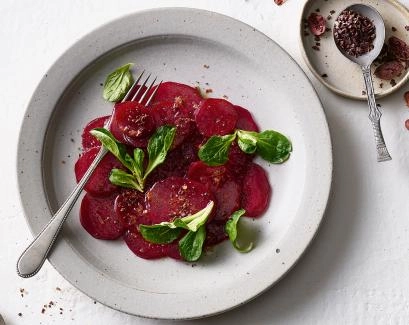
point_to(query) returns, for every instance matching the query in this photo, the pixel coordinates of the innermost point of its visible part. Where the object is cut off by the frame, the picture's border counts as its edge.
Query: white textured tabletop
(355, 272)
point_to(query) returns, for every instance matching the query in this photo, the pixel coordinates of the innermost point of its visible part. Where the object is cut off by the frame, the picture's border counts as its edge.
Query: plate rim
(320, 111)
(322, 80)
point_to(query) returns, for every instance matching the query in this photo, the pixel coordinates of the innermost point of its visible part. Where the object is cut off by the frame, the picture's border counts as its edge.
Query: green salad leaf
(216, 150)
(191, 245)
(270, 145)
(158, 147)
(231, 230)
(117, 83)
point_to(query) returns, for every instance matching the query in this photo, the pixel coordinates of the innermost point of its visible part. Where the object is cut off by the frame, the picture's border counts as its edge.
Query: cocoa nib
(316, 23)
(389, 70)
(398, 48)
(354, 33)
(279, 2)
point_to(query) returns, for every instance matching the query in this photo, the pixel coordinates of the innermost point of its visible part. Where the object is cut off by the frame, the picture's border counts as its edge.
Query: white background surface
(355, 272)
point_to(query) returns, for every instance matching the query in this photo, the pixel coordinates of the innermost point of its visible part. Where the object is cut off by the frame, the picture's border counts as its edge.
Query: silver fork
(33, 257)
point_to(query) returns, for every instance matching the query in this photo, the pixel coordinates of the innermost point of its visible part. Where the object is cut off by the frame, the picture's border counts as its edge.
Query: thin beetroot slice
(98, 184)
(129, 206)
(245, 120)
(211, 176)
(176, 114)
(176, 197)
(179, 93)
(132, 124)
(142, 248)
(88, 140)
(216, 117)
(219, 180)
(99, 219)
(256, 191)
(215, 233)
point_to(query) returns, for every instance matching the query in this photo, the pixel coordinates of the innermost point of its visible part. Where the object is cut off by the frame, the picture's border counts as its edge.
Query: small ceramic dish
(330, 66)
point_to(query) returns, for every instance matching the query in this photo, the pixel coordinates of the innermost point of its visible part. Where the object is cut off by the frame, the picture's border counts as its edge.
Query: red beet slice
(219, 180)
(212, 177)
(176, 197)
(245, 120)
(176, 114)
(316, 23)
(238, 161)
(98, 184)
(178, 93)
(142, 248)
(175, 165)
(227, 199)
(99, 219)
(89, 141)
(132, 123)
(216, 117)
(215, 233)
(130, 206)
(256, 191)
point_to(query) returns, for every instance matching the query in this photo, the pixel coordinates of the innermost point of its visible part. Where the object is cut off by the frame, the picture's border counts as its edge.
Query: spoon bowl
(370, 12)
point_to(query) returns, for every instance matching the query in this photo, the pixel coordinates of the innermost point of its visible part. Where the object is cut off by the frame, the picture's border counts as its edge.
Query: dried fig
(316, 23)
(398, 48)
(389, 70)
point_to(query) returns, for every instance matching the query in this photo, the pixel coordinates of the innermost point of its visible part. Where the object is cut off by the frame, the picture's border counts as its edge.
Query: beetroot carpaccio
(180, 186)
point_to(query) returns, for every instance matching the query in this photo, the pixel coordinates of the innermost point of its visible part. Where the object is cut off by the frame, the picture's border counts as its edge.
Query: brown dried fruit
(406, 96)
(316, 23)
(279, 2)
(398, 48)
(389, 70)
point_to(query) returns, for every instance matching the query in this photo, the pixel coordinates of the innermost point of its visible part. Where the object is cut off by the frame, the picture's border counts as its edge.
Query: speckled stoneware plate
(331, 67)
(193, 47)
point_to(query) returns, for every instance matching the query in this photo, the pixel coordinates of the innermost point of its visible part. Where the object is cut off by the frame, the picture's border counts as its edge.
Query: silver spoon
(365, 62)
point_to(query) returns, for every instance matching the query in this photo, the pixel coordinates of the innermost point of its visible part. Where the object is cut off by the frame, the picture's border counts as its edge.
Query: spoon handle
(375, 116)
(31, 260)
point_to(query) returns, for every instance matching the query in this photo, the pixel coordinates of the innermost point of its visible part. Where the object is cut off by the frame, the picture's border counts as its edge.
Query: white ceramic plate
(331, 67)
(241, 63)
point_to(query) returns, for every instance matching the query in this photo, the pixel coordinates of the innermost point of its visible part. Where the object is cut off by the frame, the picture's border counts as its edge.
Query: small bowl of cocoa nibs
(326, 26)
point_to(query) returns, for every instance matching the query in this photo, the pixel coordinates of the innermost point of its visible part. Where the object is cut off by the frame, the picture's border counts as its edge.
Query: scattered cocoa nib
(324, 75)
(406, 97)
(206, 66)
(318, 44)
(407, 124)
(407, 27)
(381, 85)
(398, 48)
(332, 12)
(393, 83)
(329, 17)
(317, 38)
(317, 10)
(389, 70)
(306, 33)
(354, 33)
(316, 48)
(363, 92)
(209, 90)
(316, 23)
(279, 2)
(20, 314)
(394, 29)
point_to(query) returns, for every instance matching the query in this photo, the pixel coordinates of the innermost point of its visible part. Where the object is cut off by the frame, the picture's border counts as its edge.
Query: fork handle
(375, 116)
(33, 257)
